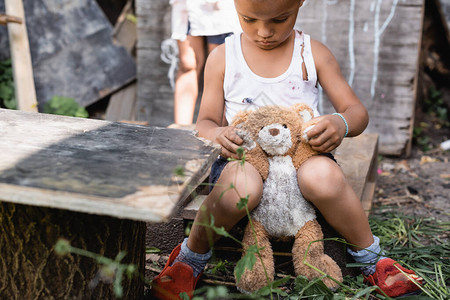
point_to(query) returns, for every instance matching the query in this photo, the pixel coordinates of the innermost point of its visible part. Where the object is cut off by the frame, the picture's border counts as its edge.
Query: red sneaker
(174, 280)
(389, 267)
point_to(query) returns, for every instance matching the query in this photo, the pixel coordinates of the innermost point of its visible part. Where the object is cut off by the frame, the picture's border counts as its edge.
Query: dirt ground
(418, 185)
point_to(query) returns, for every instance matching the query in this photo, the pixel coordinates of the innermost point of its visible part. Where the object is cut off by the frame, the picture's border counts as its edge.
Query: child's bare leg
(187, 260)
(192, 58)
(222, 201)
(323, 183)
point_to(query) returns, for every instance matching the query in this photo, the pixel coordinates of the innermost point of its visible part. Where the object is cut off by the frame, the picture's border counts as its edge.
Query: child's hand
(229, 140)
(327, 134)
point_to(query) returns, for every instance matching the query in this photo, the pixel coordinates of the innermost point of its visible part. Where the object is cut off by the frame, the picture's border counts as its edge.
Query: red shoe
(174, 280)
(389, 267)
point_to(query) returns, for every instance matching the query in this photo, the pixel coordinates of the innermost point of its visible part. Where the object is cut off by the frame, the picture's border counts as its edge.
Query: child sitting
(270, 63)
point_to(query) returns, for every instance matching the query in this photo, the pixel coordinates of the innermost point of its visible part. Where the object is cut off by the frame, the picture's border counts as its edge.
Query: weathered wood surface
(31, 269)
(358, 158)
(25, 92)
(445, 6)
(98, 167)
(155, 96)
(377, 45)
(122, 104)
(72, 51)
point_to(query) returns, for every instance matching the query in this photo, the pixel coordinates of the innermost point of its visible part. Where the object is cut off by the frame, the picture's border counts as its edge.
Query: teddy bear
(275, 143)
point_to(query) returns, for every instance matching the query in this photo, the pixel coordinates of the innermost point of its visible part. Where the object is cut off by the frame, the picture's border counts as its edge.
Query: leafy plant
(59, 105)
(434, 104)
(7, 94)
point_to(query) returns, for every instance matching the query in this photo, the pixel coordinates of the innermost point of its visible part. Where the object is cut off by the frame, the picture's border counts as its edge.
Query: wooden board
(377, 45)
(445, 6)
(358, 158)
(122, 104)
(155, 95)
(98, 167)
(72, 51)
(25, 92)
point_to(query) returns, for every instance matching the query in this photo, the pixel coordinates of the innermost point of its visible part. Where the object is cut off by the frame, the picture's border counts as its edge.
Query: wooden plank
(357, 157)
(190, 211)
(444, 7)
(155, 96)
(73, 52)
(440, 13)
(99, 167)
(125, 30)
(25, 91)
(377, 46)
(122, 104)
(5, 19)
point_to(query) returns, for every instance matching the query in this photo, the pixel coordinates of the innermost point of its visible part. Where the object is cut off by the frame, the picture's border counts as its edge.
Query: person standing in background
(198, 26)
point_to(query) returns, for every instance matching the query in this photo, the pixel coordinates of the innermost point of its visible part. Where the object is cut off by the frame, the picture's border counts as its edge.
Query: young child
(271, 63)
(194, 24)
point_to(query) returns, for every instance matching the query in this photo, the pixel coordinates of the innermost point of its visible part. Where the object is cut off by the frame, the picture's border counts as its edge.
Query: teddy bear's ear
(240, 117)
(304, 111)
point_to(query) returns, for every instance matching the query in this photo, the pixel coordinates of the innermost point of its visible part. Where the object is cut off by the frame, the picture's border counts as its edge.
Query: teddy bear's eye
(284, 126)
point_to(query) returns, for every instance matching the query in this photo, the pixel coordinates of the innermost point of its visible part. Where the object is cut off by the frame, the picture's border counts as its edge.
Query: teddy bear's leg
(253, 280)
(312, 231)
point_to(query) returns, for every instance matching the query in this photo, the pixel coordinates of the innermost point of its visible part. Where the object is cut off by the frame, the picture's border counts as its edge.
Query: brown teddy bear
(274, 140)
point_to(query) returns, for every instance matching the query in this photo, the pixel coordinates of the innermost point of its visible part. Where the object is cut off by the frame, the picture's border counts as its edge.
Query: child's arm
(330, 130)
(210, 117)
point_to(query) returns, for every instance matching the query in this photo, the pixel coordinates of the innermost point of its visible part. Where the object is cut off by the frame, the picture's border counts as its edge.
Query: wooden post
(21, 58)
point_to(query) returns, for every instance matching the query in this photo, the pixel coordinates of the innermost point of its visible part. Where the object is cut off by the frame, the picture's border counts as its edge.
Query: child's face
(267, 23)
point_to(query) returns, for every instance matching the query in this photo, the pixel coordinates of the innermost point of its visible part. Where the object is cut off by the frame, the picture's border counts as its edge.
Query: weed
(7, 94)
(65, 106)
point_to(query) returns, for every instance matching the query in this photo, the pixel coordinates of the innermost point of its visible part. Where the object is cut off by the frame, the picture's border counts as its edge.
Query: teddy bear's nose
(274, 131)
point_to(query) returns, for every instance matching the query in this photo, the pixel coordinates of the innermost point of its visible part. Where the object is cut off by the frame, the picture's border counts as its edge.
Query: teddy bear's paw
(333, 270)
(331, 284)
(253, 280)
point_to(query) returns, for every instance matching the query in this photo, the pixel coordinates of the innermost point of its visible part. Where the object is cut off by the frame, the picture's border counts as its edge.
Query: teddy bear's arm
(304, 150)
(257, 158)
(302, 153)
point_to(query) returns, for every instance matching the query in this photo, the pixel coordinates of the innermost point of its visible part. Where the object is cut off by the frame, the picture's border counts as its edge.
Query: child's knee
(321, 178)
(239, 183)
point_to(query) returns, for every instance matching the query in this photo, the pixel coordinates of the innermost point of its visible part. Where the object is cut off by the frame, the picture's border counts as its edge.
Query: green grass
(417, 243)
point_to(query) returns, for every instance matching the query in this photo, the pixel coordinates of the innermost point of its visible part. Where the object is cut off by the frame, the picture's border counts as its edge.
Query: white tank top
(244, 90)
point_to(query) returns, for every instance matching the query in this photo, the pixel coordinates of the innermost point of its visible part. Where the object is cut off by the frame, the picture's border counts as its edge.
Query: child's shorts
(217, 39)
(220, 163)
